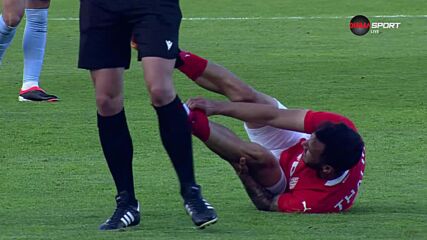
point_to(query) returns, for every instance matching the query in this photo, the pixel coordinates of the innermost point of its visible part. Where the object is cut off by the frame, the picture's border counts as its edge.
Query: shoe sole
(130, 227)
(208, 223)
(203, 225)
(22, 99)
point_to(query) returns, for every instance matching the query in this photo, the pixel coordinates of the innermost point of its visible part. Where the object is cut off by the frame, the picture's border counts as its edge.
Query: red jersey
(306, 192)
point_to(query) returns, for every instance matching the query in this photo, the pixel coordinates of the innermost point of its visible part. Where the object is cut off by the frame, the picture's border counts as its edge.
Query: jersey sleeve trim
(313, 120)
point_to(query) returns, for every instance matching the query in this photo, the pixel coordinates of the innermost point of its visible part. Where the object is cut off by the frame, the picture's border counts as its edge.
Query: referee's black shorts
(107, 26)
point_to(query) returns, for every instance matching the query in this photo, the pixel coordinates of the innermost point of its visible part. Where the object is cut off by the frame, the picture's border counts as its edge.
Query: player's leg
(116, 142)
(263, 165)
(158, 49)
(104, 49)
(217, 78)
(11, 16)
(114, 134)
(175, 133)
(34, 44)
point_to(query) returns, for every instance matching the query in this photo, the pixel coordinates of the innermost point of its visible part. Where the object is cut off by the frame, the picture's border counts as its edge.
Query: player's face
(313, 150)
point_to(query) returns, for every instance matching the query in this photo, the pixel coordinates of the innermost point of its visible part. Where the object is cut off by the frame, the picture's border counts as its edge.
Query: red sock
(193, 66)
(199, 124)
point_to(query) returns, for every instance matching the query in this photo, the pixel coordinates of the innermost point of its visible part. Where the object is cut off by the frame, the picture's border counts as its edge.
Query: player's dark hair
(343, 146)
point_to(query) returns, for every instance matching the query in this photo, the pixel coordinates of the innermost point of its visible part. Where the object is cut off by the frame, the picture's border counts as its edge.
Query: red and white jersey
(306, 192)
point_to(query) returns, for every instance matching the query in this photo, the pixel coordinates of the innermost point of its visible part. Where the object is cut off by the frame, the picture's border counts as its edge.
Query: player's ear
(327, 169)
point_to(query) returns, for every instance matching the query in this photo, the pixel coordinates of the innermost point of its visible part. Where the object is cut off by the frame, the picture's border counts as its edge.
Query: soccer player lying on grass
(297, 160)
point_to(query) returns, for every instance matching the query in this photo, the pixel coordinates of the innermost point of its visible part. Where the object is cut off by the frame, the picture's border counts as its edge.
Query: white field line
(267, 18)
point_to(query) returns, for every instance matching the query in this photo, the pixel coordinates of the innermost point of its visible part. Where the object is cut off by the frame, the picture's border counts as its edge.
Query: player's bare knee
(103, 101)
(109, 105)
(12, 20)
(258, 155)
(161, 96)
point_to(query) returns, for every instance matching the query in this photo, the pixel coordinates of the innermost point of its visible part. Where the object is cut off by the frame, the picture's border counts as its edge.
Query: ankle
(190, 191)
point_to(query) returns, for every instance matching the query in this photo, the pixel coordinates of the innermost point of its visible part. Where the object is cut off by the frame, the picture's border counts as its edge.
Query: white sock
(29, 84)
(6, 35)
(34, 44)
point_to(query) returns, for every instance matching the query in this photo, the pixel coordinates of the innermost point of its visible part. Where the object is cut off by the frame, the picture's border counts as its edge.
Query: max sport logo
(360, 25)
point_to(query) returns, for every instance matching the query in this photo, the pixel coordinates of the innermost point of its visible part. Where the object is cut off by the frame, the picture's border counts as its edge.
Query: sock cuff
(191, 65)
(112, 122)
(39, 11)
(176, 103)
(37, 14)
(199, 124)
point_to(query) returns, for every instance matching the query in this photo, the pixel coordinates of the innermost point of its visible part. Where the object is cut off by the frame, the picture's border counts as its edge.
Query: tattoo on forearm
(260, 197)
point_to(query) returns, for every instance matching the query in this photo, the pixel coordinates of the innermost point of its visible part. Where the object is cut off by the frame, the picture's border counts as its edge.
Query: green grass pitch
(54, 183)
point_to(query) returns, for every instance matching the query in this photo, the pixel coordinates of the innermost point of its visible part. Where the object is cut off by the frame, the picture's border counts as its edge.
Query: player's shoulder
(292, 154)
(315, 119)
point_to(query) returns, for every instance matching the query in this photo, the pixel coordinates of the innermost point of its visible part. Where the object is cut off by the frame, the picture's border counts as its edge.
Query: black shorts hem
(97, 67)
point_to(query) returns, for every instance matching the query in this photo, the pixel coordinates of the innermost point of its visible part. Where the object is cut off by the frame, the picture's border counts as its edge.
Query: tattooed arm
(261, 197)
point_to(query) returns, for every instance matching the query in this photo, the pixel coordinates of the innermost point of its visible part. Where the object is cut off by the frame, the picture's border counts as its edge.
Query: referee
(106, 29)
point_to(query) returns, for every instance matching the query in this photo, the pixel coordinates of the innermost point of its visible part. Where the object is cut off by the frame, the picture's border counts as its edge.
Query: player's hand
(208, 106)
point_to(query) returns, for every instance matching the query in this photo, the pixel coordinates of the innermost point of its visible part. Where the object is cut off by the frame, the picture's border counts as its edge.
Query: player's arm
(260, 197)
(291, 119)
(301, 120)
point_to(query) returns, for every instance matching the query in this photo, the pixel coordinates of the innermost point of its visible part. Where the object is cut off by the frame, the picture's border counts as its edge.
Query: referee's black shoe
(201, 212)
(124, 216)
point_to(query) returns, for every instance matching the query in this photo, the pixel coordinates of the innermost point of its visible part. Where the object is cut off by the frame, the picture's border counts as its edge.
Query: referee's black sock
(117, 146)
(175, 132)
